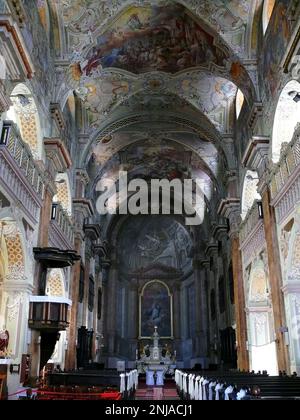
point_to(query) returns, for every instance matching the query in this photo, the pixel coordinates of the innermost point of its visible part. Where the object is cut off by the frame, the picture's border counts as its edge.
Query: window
(267, 13)
(240, 99)
(81, 285)
(91, 294)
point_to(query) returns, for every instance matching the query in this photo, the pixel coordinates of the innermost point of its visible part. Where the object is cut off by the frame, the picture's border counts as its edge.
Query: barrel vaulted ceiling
(158, 81)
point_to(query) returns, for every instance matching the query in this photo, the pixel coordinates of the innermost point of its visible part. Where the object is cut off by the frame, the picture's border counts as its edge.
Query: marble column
(240, 305)
(87, 266)
(177, 318)
(230, 209)
(71, 355)
(82, 211)
(201, 310)
(132, 320)
(275, 280)
(112, 309)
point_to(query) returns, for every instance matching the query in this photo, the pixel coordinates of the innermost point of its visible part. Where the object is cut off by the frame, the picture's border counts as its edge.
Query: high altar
(153, 358)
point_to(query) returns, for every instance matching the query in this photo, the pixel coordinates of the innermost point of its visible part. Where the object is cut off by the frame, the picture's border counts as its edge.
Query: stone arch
(64, 195)
(287, 117)
(268, 8)
(24, 113)
(261, 332)
(250, 193)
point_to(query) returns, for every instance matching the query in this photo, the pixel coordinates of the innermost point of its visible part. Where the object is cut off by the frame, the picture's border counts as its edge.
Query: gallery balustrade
(20, 152)
(289, 161)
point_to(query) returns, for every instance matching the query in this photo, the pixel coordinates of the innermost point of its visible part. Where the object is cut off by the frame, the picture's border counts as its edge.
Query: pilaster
(230, 209)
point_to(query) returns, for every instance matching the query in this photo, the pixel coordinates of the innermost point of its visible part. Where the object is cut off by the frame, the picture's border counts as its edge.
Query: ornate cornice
(17, 10)
(58, 154)
(157, 271)
(255, 114)
(230, 208)
(58, 116)
(19, 64)
(256, 154)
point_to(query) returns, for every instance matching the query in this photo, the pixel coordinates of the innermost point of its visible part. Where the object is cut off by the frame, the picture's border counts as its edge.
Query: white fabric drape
(204, 396)
(211, 386)
(201, 389)
(219, 388)
(242, 394)
(228, 391)
(122, 384)
(196, 396)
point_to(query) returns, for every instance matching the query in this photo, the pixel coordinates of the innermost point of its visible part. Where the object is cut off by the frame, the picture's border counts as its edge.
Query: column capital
(211, 249)
(83, 209)
(219, 231)
(255, 114)
(256, 156)
(230, 208)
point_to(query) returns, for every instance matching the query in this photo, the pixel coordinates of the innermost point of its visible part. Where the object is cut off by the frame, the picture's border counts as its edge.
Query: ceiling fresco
(145, 39)
(158, 81)
(88, 19)
(213, 96)
(156, 158)
(160, 142)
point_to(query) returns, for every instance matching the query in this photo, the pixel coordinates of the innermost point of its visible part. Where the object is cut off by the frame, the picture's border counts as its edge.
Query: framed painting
(156, 310)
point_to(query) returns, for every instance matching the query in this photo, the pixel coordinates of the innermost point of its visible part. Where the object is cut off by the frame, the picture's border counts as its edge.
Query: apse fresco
(154, 241)
(145, 39)
(156, 311)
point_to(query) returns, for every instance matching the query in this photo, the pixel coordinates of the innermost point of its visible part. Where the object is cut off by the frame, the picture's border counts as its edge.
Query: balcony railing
(289, 161)
(63, 221)
(20, 152)
(253, 217)
(49, 313)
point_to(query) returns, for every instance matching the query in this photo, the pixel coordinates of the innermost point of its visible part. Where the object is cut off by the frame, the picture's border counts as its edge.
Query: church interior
(143, 305)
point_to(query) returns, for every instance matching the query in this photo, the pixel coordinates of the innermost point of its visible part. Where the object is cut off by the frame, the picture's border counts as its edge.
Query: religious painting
(145, 39)
(156, 310)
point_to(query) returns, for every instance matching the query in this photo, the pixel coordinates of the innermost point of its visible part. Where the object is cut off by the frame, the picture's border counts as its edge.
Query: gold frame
(140, 310)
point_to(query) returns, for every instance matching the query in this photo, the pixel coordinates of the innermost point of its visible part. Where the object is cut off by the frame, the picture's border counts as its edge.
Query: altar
(156, 358)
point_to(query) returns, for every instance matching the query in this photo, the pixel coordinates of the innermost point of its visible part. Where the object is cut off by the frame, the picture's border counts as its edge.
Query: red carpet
(168, 392)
